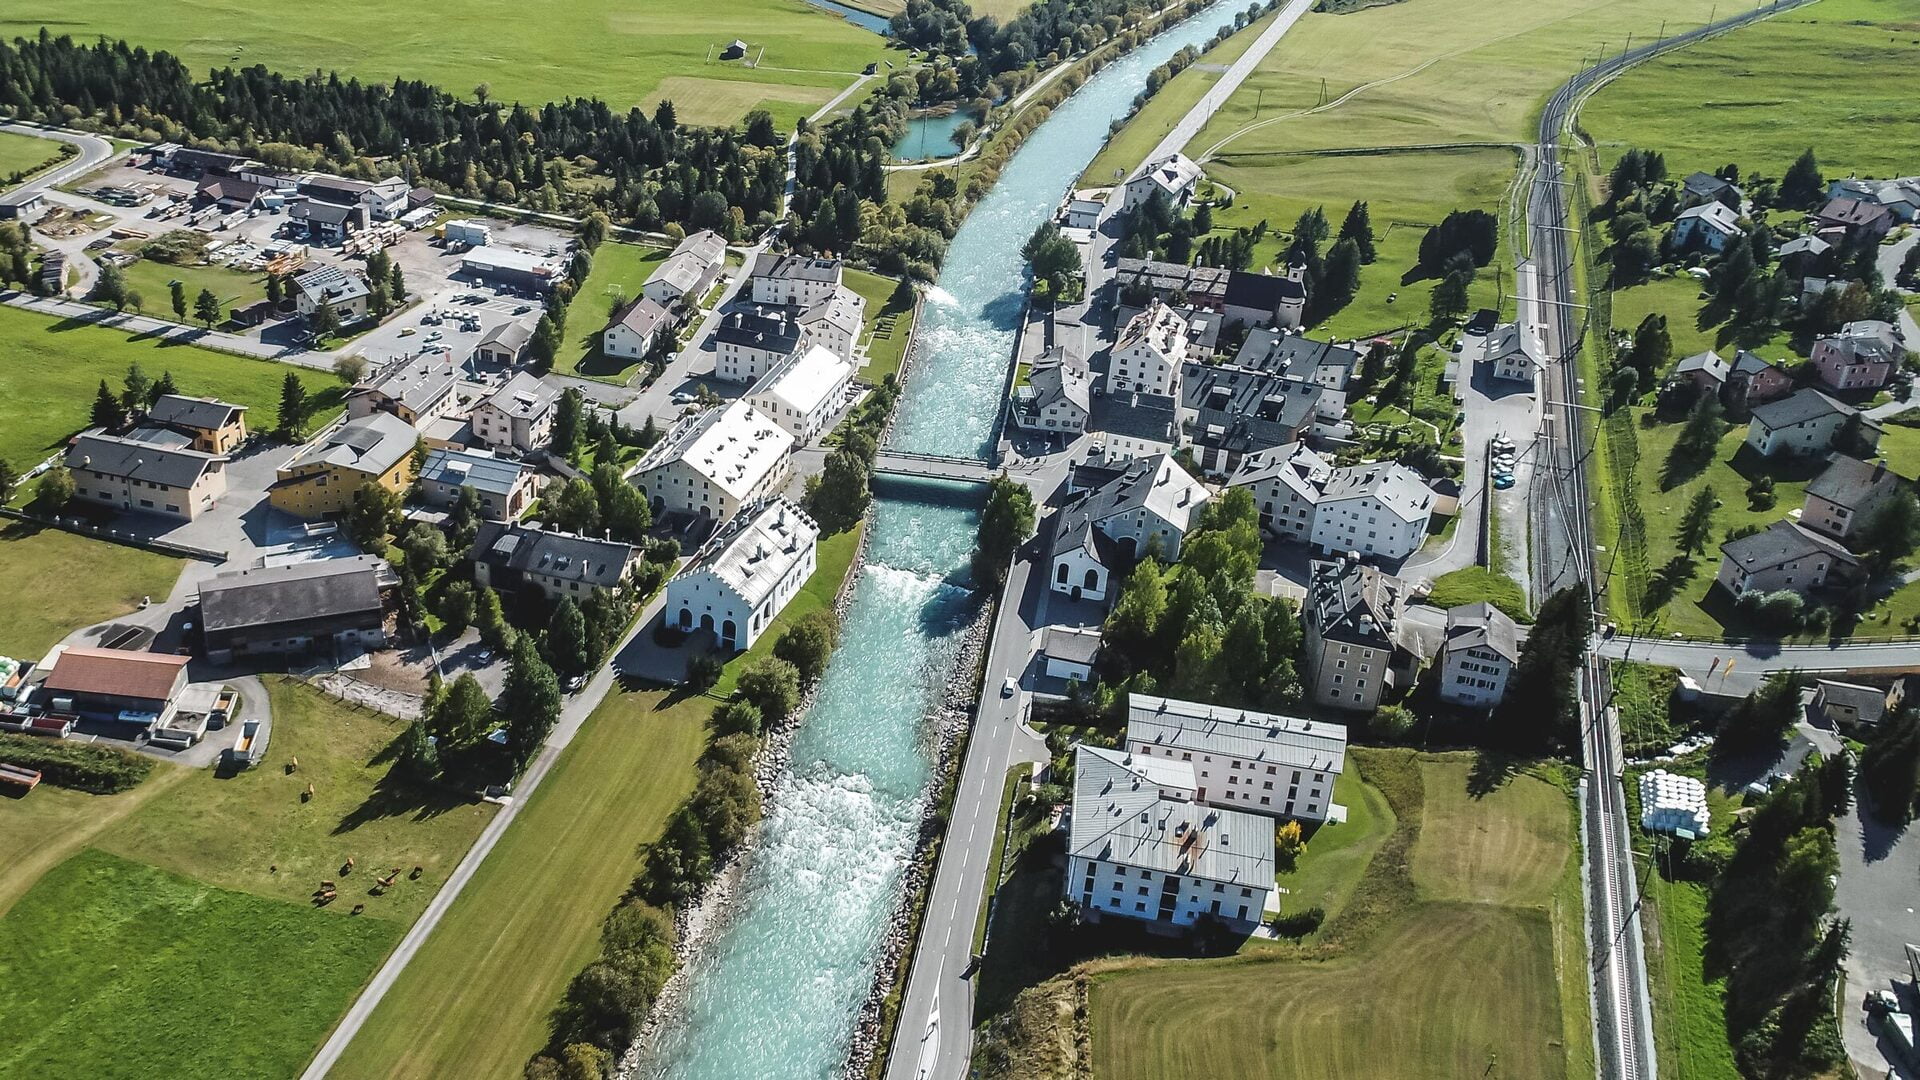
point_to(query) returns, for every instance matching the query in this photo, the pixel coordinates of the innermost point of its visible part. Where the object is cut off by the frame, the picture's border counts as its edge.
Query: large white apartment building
(835, 322)
(1263, 763)
(1148, 356)
(1141, 847)
(1379, 509)
(804, 393)
(741, 580)
(801, 280)
(713, 464)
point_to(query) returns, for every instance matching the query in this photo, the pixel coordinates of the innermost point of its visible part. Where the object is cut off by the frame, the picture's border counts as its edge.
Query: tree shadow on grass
(395, 796)
(1668, 581)
(1491, 771)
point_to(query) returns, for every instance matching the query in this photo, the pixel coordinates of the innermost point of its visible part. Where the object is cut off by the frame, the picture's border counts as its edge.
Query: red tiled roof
(116, 672)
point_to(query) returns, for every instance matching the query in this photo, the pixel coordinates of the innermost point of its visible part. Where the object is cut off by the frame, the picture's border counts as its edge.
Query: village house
(1847, 492)
(1263, 763)
(1786, 556)
(326, 224)
(1477, 655)
(333, 287)
(1081, 213)
(1901, 196)
(1701, 187)
(1704, 371)
(742, 579)
(1353, 652)
(382, 200)
(1148, 509)
(1058, 397)
(712, 464)
(321, 478)
(214, 426)
(1140, 847)
(794, 280)
(1862, 356)
(502, 489)
(337, 603)
(636, 328)
(1511, 352)
(504, 344)
(1069, 652)
(1376, 509)
(1282, 352)
(1227, 413)
(1705, 227)
(149, 469)
(1753, 380)
(1806, 422)
(518, 417)
(1174, 176)
(804, 393)
(1859, 221)
(748, 344)
(1850, 707)
(1149, 353)
(835, 322)
(509, 556)
(417, 391)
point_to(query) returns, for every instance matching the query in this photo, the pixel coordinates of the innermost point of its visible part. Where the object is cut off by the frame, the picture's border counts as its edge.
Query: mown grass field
(1679, 299)
(234, 831)
(117, 969)
(73, 582)
(475, 1000)
(888, 325)
(1463, 972)
(1761, 95)
(1472, 584)
(235, 288)
(623, 53)
(619, 270)
(22, 154)
(1405, 193)
(1425, 71)
(54, 367)
(1337, 855)
(1129, 148)
(159, 911)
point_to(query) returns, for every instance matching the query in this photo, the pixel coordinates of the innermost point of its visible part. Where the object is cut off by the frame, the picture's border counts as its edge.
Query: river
(777, 994)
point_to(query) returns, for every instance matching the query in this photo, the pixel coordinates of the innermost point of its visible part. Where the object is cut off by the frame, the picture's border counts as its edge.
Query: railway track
(1563, 556)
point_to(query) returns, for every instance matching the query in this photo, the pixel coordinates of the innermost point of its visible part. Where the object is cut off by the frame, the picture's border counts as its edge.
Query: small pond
(865, 20)
(930, 137)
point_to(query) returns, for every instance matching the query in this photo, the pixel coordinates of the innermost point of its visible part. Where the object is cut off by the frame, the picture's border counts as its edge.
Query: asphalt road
(1196, 118)
(93, 151)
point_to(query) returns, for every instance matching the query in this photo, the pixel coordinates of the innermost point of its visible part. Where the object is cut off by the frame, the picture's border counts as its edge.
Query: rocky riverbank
(950, 721)
(699, 923)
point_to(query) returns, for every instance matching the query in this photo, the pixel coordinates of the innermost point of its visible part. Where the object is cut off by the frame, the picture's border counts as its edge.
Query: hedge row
(102, 770)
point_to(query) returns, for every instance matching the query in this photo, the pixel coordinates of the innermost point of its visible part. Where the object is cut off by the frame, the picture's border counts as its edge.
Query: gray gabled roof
(1848, 481)
(1283, 352)
(1351, 601)
(130, 457)
(592, 561)
(643, 316)
(1782, 542)
(1482, 626)
(270, 595)
(371, 444)
(757, 329)
(796, 267)
(1798, 408)
(512, 336)
(1707, 363)
(1119, 816)
(524, 396)
(1292, 741)
(201, 414)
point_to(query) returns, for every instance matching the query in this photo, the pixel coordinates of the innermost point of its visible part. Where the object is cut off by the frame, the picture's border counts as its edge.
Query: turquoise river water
(778, 993)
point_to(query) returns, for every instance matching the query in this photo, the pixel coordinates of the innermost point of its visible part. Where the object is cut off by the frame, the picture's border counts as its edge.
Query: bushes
(611, 997)
(90, 767)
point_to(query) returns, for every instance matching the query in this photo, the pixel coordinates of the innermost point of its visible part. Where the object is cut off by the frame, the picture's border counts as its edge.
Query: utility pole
(1259, 93)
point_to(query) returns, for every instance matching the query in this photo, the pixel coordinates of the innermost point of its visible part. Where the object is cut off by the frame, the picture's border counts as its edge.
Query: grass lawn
(1405, 193)
(197, 980)
(1425, 71)
(475, 1001)
(888, 325)
(1472, 584)
(618, 272)
(54, 366)
(24, 154)
(235, 288)
(1761, 95)
(73, 582)
(1689, 1014)
(1678, 298)
(625, 54)
(40, 830)
(1337, 855)
(1462, 966)
(1642, 693)
(832, 559)
(1128, 149)
(229, 831)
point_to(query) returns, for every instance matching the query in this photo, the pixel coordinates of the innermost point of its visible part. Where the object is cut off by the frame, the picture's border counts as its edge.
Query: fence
(82, 527)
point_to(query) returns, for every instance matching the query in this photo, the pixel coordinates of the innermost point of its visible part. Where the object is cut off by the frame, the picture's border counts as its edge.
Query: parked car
(1009, 688)
(576, 684)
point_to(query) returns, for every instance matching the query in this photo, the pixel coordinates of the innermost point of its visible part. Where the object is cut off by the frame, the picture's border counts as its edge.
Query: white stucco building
(713, 464)
(1148, 509)
(1378, 509)
(1477, 655)
(835, 322)
(742, 579)
(1148, 356)
(1263, 763)
(800, 280)
(804, 393)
